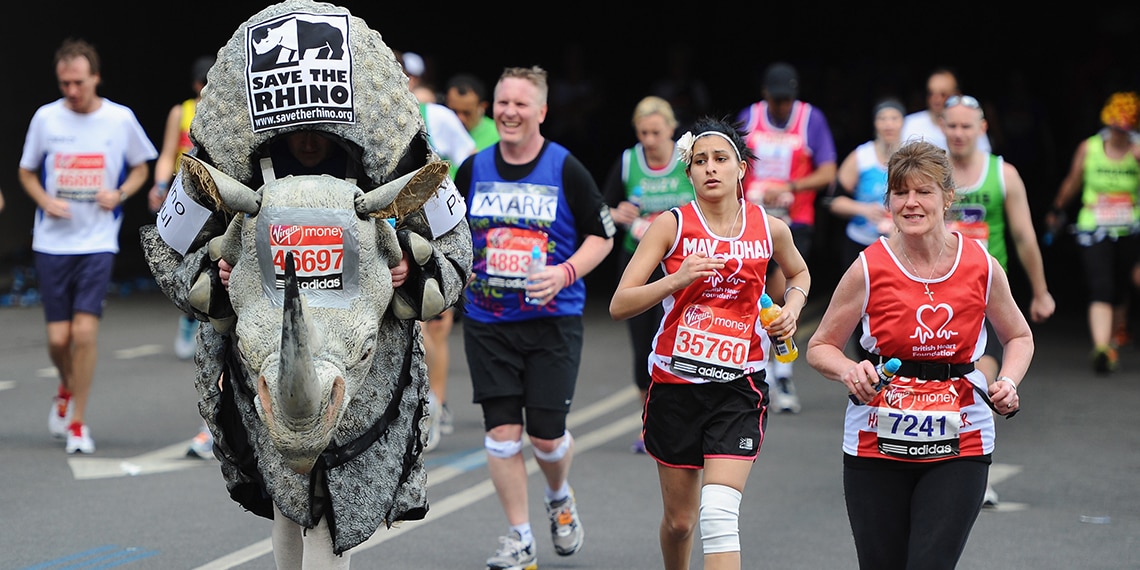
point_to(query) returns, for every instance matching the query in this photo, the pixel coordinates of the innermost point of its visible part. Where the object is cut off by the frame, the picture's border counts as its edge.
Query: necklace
(926, 284)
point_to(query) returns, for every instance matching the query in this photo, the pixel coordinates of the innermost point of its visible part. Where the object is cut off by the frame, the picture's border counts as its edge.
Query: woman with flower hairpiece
(707, 408)
(1106, 170)
(648, 179)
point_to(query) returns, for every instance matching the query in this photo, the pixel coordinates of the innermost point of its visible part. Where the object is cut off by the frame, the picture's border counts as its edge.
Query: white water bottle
(535, 266)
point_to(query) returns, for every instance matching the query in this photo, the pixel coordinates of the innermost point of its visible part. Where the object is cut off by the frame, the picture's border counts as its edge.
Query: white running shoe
(513, 554)
(990, 499)
(565, 526)
(79, 439)
(59, 417)
(202, 446)
(784, 396)
(446, 421)
(433, 421)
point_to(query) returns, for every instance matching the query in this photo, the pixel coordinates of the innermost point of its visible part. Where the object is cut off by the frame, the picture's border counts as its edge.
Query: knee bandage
(720, 514)
(558, 452)
(502, 449)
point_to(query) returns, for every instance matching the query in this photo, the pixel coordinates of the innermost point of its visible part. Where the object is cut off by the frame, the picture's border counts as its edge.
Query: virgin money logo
(93, 161)
(285, 235)
(898, 397)
(697, 317)
(905, 398)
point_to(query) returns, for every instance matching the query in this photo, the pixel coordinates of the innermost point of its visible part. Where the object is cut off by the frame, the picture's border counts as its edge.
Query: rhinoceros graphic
(292, 40)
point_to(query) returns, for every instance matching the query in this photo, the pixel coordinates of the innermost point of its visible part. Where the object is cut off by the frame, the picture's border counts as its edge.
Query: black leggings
(1108, 268)
(912, 516)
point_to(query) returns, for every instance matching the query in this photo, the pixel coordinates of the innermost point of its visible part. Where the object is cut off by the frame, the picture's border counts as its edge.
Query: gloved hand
(209, 296)
(420, 297)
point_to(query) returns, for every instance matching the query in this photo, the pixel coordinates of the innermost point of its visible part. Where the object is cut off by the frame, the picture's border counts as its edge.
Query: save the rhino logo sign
(299, 71)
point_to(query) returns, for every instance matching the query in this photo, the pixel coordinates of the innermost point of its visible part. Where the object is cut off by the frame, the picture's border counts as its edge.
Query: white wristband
(1008, 379)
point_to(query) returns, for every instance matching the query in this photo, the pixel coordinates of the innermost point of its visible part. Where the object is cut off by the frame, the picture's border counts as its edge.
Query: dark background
(1043, 75)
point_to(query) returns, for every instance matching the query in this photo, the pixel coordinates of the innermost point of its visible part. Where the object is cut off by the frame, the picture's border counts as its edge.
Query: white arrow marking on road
(170, 458)
(7, 385)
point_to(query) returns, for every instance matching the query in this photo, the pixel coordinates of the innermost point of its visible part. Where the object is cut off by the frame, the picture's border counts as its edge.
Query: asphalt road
(1066, 468)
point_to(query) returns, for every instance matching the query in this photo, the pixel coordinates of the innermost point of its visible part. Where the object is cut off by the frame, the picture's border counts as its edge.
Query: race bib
(970, 220)
(918, 419)
(318, 254)
(325, 249)
(1114, 209)
(774, 155)
(78, 177)
(712, 343)
(508, 255)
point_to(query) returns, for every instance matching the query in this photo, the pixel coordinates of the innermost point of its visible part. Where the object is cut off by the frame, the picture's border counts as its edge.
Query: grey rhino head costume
(316, 399)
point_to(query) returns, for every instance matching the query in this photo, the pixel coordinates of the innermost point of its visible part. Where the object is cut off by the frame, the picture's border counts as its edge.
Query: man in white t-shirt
(83, 157)
(927, 124)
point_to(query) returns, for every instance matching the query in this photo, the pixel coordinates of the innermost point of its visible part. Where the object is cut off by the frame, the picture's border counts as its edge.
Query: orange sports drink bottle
(785, 350)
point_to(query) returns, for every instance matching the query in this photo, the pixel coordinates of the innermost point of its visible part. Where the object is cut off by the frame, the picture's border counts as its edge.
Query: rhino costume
(302, 65)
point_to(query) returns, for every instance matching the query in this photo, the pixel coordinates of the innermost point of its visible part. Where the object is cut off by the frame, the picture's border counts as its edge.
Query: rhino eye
(364, 357)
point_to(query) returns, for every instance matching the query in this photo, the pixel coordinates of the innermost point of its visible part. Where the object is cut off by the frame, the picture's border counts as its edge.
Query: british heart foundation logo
(932, 322)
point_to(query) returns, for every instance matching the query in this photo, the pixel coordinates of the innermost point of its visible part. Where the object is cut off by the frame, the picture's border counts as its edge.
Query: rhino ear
(223, 189)
(405, 194)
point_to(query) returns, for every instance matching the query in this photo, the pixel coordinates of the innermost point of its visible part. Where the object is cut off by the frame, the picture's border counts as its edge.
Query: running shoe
(59, 418)
(187, 340)
(1121, 338)
(432, 419)
(202, 446)
(79, 439)
(565, 526)
(990, 499)
(1104, 360)
(446, 421)
(638, 446)
(513, 554)
(785, 398)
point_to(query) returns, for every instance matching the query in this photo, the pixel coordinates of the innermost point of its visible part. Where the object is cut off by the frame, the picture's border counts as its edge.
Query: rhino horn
(225, 190)
(299, 396)
(403, 195)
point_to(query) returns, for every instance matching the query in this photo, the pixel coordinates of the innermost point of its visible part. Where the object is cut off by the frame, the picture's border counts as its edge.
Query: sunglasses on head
(963, 100)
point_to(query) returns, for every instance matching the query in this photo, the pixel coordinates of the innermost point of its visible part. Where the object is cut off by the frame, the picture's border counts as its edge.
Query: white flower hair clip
(685, 147)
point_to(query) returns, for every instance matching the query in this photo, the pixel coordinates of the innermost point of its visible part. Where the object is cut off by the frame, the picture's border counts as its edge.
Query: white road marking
(169, 458)
(138, 351)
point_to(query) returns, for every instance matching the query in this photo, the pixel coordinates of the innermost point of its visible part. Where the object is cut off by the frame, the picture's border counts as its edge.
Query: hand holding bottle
(785, 350)
(886, 371)
(535, 289)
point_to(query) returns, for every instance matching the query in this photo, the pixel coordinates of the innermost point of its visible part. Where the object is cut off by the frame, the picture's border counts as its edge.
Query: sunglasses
(963, 100)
